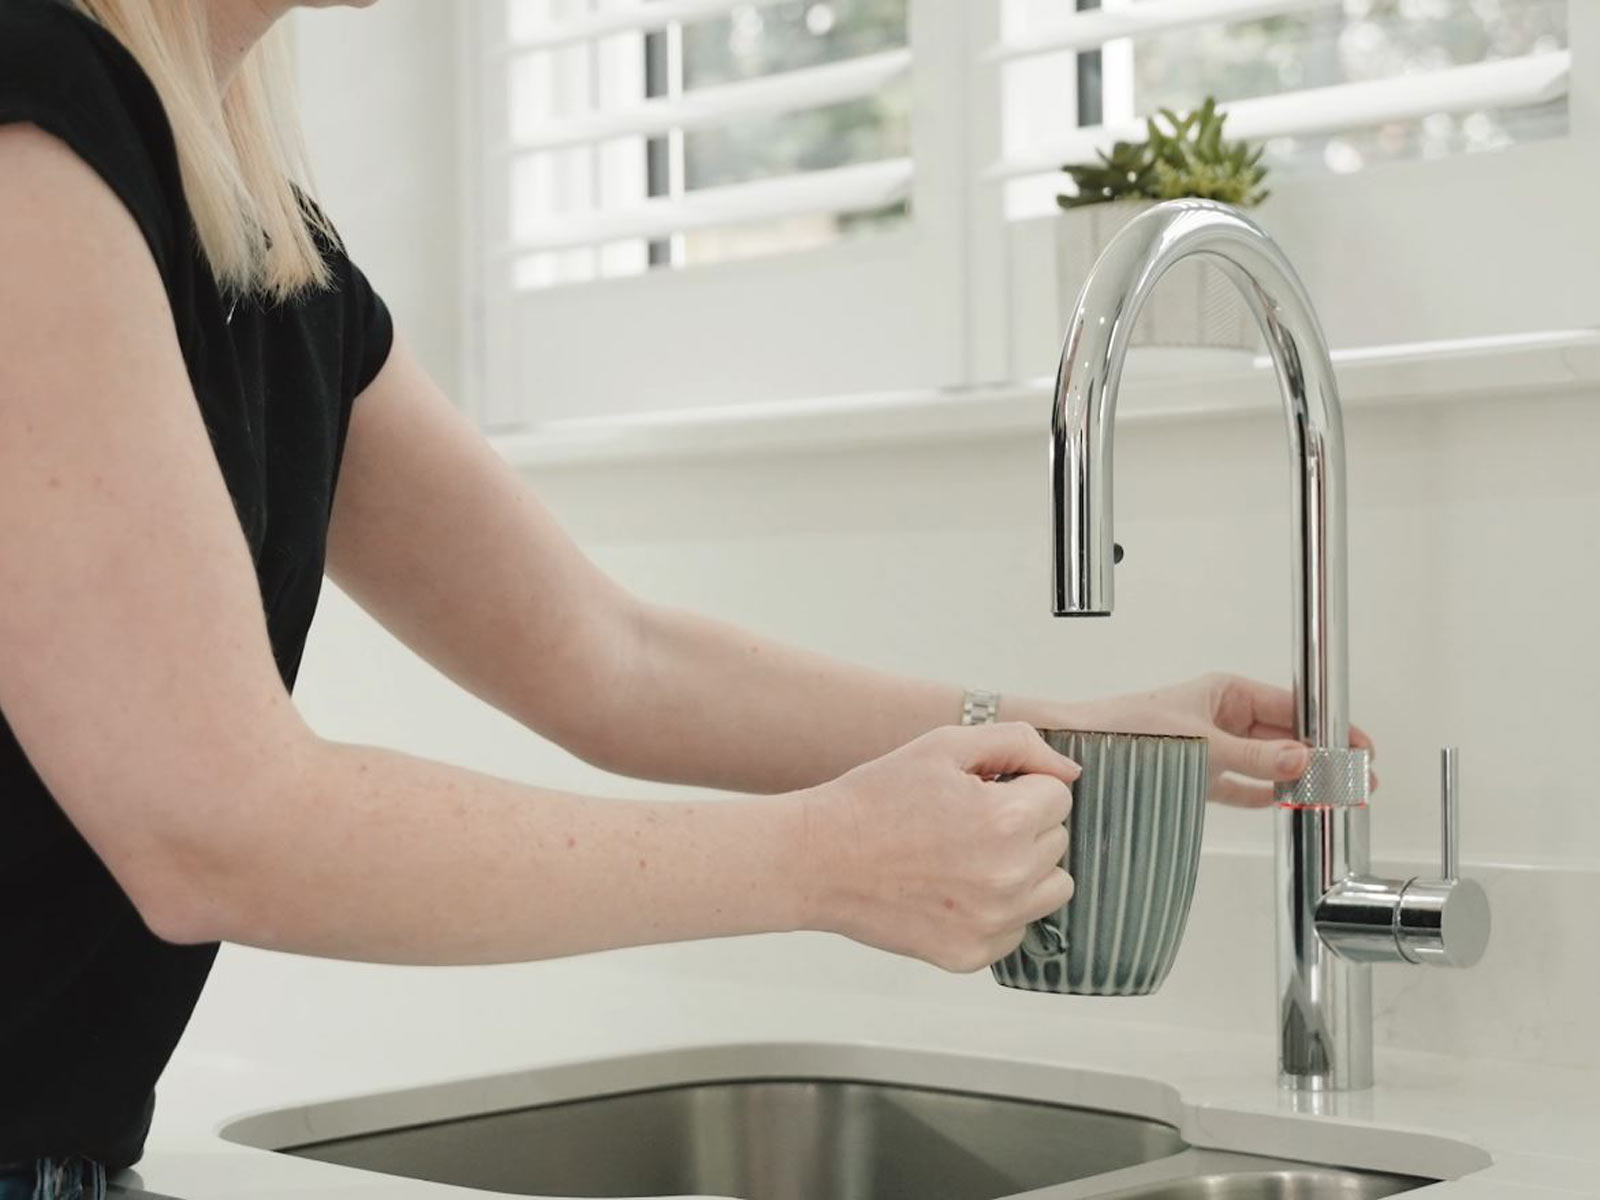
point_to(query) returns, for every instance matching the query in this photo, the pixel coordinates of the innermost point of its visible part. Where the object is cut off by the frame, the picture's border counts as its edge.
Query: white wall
(378, 91)
(1475, 563)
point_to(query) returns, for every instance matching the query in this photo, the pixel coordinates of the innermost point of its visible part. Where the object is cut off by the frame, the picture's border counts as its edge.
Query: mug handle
(1044, 938)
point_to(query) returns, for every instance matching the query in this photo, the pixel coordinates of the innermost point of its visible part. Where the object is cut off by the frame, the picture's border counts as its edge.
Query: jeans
(53, 1179)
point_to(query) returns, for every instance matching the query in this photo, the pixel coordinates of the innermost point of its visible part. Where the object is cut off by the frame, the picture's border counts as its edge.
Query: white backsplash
(1475, 558)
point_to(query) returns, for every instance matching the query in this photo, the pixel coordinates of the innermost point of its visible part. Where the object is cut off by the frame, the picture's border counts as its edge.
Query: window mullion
(1090, 79)
(675, 147)
(657, 169)
(597, 198)
(1583, 36)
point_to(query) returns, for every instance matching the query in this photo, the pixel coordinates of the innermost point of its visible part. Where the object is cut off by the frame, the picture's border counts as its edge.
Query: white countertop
(1540, 1126)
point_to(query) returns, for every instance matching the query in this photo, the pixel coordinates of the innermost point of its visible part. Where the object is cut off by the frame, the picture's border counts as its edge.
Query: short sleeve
(369, 331)
(66, 75)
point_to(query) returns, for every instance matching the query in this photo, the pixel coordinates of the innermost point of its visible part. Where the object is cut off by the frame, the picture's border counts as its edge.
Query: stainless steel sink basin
(835, 1121)
(1209, 1175)
(768, 1140)
(1291, 1184)
(831, 1139)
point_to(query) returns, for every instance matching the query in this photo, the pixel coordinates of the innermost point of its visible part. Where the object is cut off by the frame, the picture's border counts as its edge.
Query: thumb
(1260, 758)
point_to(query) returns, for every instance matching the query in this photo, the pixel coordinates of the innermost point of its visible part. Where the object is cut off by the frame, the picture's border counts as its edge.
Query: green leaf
(1182, 155)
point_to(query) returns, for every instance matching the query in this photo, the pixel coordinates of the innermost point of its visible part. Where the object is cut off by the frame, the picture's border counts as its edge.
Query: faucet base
(1325, 1001)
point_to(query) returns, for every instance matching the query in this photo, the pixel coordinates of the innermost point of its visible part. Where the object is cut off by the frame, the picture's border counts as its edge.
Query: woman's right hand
(923, 852)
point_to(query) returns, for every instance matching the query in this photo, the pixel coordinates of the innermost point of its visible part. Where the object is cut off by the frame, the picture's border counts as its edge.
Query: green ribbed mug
(1138, 811)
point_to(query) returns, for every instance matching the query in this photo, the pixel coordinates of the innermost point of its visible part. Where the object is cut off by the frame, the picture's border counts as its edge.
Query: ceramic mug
(1137, 814)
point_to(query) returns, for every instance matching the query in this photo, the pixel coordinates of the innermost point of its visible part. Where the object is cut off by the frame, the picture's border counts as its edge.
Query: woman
(188, 363)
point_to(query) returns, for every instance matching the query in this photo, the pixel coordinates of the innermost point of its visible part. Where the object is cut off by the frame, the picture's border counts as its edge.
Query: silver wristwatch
(979, 707)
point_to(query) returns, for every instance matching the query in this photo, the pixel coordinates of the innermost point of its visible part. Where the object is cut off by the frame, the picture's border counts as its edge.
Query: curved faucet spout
(1325, 1002)
(1085, 408)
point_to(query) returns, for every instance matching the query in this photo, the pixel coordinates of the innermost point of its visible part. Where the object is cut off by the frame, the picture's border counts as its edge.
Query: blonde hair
(239, 145)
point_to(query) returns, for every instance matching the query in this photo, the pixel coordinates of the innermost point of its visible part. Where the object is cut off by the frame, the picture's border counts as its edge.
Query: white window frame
(1418, 251)
(865, 313)
(1469, 246)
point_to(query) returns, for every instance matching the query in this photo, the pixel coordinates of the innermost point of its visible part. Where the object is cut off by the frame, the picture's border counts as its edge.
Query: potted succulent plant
(1181, 156)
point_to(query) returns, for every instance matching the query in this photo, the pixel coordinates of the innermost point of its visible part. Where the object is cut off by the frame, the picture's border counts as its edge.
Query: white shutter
(824, 274)
(1443, 242)
(1526, 81)
(791, 91)
(1093, 28)
(1512, 83)
(597, 197)
(634, 17)
(843, 189)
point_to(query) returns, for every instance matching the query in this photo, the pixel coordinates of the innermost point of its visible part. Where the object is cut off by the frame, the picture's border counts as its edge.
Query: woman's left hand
(1250, 725)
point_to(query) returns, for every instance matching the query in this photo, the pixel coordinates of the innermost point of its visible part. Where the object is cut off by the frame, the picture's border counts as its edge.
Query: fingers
(1042, 801)
(1261, 702)
(1045, 898)
(1280, 733)
(1051, 893)
(1054, 843)
(1277, 759)
(1011, 748)
(1270, 711)
(1359, 738)
(1240, 792)
(1243, 793)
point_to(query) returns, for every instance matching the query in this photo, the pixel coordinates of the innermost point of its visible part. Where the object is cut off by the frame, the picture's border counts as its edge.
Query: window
(691, 203)
(761, 157)
(642, 142)
(1435, 153)
(1331, 85)
(1364, 41)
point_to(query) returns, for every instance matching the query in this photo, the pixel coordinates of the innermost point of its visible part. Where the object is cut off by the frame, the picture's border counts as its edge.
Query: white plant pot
(1194, 304)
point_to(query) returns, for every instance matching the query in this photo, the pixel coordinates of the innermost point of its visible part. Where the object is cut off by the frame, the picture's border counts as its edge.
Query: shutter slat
(656, 15)
(791, 91)
(1511, 83)
(1096, 27)
(859, 188)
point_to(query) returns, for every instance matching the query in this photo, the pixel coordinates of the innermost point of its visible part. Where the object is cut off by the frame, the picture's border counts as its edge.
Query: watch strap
(979, 707)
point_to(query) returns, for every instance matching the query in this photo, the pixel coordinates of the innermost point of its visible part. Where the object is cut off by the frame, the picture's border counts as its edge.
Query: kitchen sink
(824, 1121)
(829, 1139)
(791, 1139)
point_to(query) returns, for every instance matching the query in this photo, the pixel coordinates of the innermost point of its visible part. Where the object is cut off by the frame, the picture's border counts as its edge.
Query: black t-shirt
(91, 1002)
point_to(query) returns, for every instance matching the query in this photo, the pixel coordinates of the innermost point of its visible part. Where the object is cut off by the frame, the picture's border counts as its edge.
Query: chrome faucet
(1334, 918)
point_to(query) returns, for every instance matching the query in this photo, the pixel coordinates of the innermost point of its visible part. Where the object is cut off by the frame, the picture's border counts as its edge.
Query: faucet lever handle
(1445, 921)
(1440, 922)
(1450, 813)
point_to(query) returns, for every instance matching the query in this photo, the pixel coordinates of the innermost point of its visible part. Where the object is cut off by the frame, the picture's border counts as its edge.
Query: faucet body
(1334, 919)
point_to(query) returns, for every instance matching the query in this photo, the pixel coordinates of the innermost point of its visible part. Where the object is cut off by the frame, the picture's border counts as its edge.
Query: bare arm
(136, 672)
(129, 608)
(448, 547)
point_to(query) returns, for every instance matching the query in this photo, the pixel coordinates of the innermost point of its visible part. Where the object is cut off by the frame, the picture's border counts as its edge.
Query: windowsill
(1158, 386)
